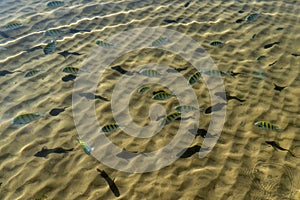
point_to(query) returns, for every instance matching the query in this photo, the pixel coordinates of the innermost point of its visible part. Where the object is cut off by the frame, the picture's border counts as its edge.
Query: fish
(68, 77)
(55, 4)
(103, 44)
(91, 96)
(214, 108)
(143, 89)
(241, 11)
(162, 96)
(295, 54)
(273, 63)
(67, 53)
(72, 30)
(216, 44)
(267, 46)
(121, 70)
(160, 41)
(45, 151)
(50, 47)
(267, 126)
(171, 117)
(276, 145)
(187, 4)
(215, 73)
(13, 26)
(186, 108)
(278, 88)
(226, 96)
(26, 118)
(150, 73)
(109, 128)
(5, 72)
(261, 58)
(254, 36)
(238, 21)
(252, 17)
(56, 111)
(54, 32)
(70, 70)
(169, 21)
(186, 153)
(31, 73)
(194, 78)
(279, 29)
(4, 35)
(86, 148)
(113, 187)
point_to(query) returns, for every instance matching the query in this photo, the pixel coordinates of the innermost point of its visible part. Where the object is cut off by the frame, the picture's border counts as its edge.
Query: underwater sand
(240, 166)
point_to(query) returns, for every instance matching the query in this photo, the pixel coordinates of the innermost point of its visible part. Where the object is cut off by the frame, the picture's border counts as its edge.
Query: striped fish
(261, 58)
(50, 47)
(162, 96)
(55, 4)
(109, 127)
(186, 108)
(103, 44)
(13, 26)
(86, 148)
(216, 43)
(160, 41)
(194, 78)
(215, 73)
(150, 73)
(70, 70)
(31, 73)
(143, 89)
(171, 117)
(267, 126)
(54, 32)
(252, 17)
(25, 118)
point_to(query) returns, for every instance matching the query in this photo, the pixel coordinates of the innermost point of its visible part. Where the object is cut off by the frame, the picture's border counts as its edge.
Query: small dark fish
(194, 78)
(162, 96)
(169, 21)
(226, 96)
(56, 111)
(279, 29)
(4, 35)
(31, 73)
(267, 46)
(254, 36)
(113, 187)
(239, 21)
(0, 183)
(295, 54)
(216, 44)
(273, 63)
(241, 11)
(252, 17)
(233, 74)
(67, 78)
(276, 145)
(160, 41)
(103, 44)
(214, 108)
(67, 53)
(25, 118)
(86, 148)
(50, 47)
(78, 30)
(261, 58)
(55, 4)
(70, 70)
(45, 151)
(5, 72)
(91, 96)
(121, 70)
(186, 153)
(267, 126)
(278, 88)
(143, 89)
(187, 4)
(34, 48)
(109, 128)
